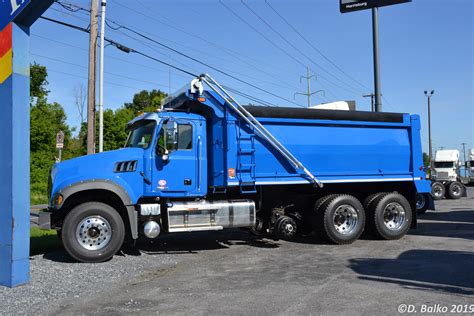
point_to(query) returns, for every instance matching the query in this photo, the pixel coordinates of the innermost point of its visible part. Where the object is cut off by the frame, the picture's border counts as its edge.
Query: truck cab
(445, 174)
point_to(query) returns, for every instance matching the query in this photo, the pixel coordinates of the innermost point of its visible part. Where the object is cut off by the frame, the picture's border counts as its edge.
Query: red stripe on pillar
(6, 40)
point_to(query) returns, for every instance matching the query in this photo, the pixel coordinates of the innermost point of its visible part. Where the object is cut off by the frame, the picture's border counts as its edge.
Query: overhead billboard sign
(357, 5)
(9, 9)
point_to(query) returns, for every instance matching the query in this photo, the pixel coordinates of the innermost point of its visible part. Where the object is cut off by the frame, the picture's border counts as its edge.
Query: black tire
(105, 222)
(369, 209)
(392, 216)
(438, 190)
(368, 201)
(317, 206)
(455, 190)
(327, 219)
(422, 203)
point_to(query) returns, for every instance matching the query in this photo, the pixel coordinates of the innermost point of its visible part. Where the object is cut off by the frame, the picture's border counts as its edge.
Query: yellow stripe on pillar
(6, 66)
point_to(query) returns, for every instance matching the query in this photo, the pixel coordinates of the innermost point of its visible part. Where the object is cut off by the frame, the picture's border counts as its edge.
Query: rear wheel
(438, 190)
(391, 216)
(455, 190)
(93, 232)
(341, 219)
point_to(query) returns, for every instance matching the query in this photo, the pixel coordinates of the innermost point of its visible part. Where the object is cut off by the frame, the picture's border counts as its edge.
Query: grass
(43, 241)
(38, 198)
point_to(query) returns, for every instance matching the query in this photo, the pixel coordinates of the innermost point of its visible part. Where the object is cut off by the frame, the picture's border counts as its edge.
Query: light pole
(429, 95)
(101, 76)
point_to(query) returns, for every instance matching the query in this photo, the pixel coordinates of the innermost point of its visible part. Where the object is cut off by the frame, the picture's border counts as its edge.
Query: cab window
(185, 137)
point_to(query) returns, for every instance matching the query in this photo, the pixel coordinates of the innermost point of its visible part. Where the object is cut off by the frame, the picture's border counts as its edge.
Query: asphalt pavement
(430, 269)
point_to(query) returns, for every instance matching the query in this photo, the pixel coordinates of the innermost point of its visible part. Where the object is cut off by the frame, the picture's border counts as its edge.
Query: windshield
(443, 164)
(141, 135)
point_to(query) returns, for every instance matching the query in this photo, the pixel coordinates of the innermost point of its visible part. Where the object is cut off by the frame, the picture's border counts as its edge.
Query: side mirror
(171, 135)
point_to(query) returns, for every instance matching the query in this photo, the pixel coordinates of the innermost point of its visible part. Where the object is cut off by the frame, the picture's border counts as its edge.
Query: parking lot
(234, 273)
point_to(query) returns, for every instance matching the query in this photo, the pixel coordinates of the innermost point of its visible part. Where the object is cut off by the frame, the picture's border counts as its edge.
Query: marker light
(202, 99)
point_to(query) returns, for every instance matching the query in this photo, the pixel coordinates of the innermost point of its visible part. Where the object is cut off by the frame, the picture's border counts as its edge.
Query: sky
(424, 45)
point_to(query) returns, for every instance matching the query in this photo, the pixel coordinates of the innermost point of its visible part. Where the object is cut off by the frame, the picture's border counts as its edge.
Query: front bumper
(44, 219)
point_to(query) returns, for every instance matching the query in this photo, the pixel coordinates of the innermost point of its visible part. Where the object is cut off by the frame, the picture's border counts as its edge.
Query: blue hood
(97, 167)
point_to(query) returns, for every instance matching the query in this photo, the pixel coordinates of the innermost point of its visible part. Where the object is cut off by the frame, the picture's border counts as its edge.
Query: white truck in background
(470, 166)
(445, 175)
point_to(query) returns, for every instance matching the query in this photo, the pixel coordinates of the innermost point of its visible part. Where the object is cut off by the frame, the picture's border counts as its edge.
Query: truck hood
(94, 167)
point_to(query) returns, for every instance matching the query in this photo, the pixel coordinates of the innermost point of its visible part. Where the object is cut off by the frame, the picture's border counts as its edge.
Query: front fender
(106, 185)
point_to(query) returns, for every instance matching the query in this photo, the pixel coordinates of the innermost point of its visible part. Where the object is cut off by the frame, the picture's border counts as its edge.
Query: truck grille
(442, 175)
(126, 166)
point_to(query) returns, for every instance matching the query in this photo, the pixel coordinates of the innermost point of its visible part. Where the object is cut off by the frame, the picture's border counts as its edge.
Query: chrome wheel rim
(93, 233)
(420, 202)
(394, 216)
(345, 219)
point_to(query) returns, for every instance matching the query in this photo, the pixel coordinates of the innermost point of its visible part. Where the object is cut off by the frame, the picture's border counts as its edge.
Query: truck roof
(185, 101)
(323, 114)
(447, 155)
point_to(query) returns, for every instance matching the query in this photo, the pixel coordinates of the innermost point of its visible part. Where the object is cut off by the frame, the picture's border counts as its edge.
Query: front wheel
(93, 232)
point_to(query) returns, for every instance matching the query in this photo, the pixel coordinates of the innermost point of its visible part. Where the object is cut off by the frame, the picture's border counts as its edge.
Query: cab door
(179, 159)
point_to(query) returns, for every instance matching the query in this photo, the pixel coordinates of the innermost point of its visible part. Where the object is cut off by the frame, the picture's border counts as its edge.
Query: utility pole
(372, 100)
(308, 78)
(375, 38)
(91, 82)
(103, 5)
(429, 95)
(464, 154)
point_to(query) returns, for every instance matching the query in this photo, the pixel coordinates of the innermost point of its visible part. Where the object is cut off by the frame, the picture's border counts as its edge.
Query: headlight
(58, 201)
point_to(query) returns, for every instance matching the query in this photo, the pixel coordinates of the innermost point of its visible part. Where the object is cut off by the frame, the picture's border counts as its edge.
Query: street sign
(357, 5)
(9, 9)
(60, 140)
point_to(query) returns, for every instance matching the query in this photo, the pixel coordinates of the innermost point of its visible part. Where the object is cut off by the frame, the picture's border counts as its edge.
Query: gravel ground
(55, 277)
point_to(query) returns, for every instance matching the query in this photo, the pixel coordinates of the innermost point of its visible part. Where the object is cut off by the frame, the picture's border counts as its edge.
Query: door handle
(187, 182)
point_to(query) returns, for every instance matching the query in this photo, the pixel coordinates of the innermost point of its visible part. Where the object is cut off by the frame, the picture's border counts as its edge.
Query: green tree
(46, 120)
(426, 159)
(38, 81)
(146, 101)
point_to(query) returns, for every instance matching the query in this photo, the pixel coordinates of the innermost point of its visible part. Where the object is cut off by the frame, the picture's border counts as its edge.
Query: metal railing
(257, 126)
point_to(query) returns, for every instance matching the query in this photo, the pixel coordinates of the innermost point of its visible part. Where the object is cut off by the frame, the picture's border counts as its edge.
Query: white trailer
(445, 175)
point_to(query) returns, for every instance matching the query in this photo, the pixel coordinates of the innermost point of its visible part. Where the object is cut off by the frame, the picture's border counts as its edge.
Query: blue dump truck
(205, 163)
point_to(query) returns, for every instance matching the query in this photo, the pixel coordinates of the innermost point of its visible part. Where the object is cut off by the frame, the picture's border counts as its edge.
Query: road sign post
(16, 17)
(357, 5)
(59, 144)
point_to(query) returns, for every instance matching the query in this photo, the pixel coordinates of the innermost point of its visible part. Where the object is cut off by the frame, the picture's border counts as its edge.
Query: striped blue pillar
(14, 157)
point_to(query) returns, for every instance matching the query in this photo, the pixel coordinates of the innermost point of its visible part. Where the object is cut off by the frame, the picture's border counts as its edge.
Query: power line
(201, 62)
(314, 47)
(131, 50)
(281, 49)
(160, 44)
(292, 45)
(107, 72)
(108, 56)
(172, 24)
(261, 34)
